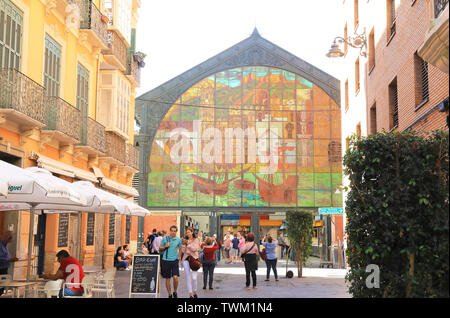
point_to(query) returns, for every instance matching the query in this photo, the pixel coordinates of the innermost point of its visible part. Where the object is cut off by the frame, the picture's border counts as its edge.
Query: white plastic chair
(52, 287)
(105, 283)
(87, 284)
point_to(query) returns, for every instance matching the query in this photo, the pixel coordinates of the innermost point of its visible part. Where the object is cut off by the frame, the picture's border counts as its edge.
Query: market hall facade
(238, 140)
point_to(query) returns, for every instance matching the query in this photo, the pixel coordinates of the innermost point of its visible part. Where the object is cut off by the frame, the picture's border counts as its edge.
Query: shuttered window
(52, 67)
(10, 35)
(82, 90)
(393, 103)
(421, 80)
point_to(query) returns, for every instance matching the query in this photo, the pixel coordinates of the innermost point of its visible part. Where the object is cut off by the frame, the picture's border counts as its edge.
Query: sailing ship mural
(248, 137)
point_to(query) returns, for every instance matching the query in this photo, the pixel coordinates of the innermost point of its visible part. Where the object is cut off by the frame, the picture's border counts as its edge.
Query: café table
(15, 285)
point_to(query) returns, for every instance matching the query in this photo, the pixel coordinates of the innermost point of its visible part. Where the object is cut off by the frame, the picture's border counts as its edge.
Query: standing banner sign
(145, 275)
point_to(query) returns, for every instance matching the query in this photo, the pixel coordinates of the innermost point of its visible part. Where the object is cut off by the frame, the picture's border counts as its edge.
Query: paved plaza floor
(229, 282)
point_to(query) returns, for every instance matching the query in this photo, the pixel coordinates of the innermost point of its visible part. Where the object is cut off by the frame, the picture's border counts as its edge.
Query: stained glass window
(248, 137)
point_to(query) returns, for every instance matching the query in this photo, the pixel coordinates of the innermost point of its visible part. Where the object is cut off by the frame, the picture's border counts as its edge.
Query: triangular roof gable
(253, 51)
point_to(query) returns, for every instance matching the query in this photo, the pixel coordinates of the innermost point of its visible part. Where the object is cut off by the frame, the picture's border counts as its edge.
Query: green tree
(397, 209)
(300, 232)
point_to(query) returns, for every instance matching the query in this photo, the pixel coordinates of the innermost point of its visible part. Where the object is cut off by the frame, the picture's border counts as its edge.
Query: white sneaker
(127, 269)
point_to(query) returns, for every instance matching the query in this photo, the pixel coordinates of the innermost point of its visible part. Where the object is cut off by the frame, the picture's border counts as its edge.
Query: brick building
(397, 84)
(399, 79)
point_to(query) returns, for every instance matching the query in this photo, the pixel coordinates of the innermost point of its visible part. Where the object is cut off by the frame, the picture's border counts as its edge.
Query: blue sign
(331, 210)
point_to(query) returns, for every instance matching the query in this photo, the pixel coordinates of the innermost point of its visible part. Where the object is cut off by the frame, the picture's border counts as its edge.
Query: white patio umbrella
(107, 199)
(120, 204)
(3, 188)
(36, 189)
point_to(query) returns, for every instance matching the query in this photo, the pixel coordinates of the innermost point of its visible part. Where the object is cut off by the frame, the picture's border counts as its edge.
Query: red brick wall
(397, 59)
(159, 223)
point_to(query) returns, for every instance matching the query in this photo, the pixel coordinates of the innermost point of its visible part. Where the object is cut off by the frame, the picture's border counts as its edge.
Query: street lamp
(358, 41)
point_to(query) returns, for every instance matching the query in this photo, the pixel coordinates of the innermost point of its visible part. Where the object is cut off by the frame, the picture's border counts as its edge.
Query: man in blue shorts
(169, 249)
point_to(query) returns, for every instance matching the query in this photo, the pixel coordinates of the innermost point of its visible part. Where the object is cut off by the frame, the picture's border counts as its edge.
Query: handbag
(194, 263)
(263, 254)
(243, 255)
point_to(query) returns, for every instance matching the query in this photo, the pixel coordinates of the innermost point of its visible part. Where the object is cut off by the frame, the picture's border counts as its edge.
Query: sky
(177, 35)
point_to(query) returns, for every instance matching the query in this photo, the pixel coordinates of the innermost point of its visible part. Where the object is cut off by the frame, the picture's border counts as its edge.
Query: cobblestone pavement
(229, 282)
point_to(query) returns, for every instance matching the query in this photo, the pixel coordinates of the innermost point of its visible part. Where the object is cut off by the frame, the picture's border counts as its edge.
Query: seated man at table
(71, 271)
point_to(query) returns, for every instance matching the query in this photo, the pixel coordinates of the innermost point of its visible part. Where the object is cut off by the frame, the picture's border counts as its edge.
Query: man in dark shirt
(235, 249)
(150, 240)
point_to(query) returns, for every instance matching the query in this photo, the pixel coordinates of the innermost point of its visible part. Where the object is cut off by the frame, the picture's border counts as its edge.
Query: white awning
(62, 168)
(116, 186)
(73, 172)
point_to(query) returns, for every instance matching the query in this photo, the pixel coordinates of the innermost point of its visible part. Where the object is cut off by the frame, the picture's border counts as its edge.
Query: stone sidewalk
(229, 282)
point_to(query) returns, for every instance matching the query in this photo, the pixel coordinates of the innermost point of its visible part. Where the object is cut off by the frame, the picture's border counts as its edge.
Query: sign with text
(145, 275)
(331, 210)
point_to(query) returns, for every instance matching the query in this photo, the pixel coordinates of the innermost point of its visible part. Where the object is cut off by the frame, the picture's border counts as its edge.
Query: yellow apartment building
(68, 74)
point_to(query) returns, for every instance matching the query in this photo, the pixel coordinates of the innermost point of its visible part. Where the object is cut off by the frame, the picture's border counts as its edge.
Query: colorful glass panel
(248, 137)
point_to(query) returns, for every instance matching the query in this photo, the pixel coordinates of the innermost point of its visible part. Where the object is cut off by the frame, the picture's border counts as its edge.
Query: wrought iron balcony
(21, 99)
(439, 6)
(91, 23)
(115, 147)
(62, 118)
(132, 157)
(133, 70)
(116, 54)
(93, 136)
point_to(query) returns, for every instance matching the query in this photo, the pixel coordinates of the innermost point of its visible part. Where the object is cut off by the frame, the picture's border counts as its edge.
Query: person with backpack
(150, 240)
(169, 249)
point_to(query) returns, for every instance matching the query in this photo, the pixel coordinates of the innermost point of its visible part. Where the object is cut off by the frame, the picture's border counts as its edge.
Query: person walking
(235, 248)
(169, 247)
(209, 261)
(158, 240)
(249, 252)
(271, 257)
(190, 247)
(227, 248)
(5, 258)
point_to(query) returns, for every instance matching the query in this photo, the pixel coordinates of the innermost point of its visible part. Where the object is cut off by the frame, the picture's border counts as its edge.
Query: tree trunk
(411, 274)
(300, 263)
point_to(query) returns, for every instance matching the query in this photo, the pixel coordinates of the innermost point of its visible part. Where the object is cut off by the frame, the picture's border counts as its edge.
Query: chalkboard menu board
(144, 276)
(112, 225)
(63, 229)
(90, 229)
(127, 229)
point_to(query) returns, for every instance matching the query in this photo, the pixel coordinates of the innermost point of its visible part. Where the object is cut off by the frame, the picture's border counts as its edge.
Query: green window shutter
(82, 90)
(52, 67)
(133, 40)
(10, 35)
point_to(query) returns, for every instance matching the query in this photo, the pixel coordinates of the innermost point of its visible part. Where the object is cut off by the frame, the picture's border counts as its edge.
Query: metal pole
(79, 237)
(30, 241)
